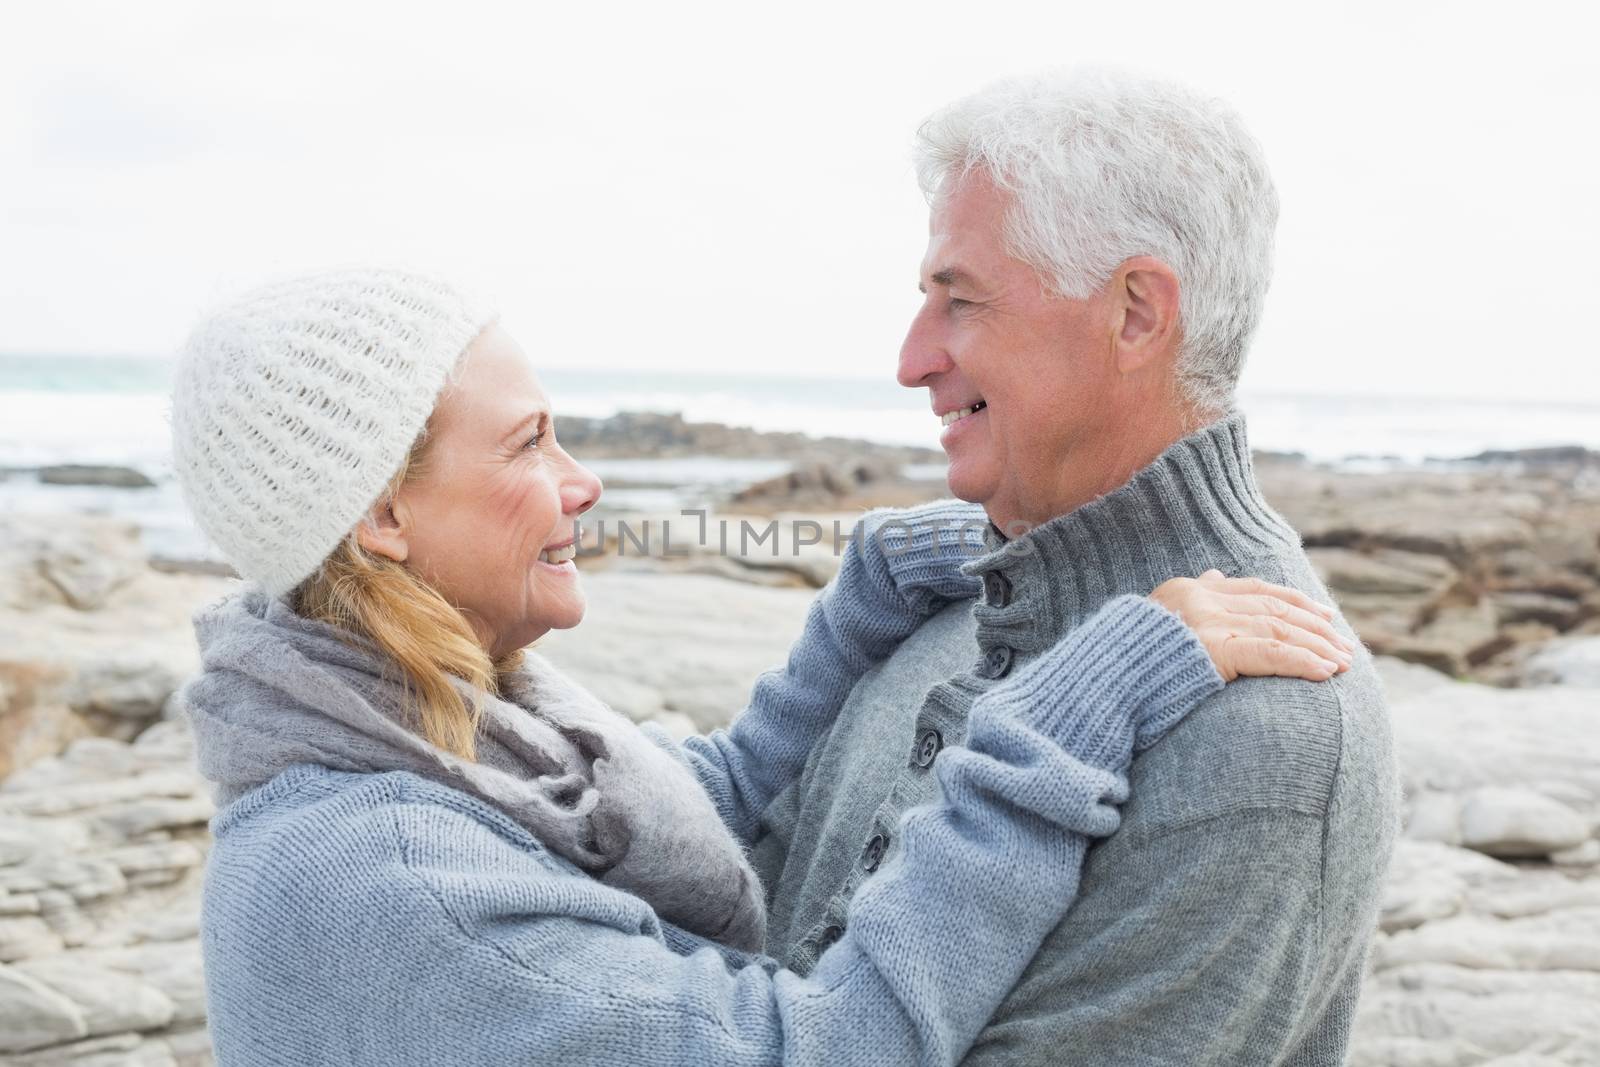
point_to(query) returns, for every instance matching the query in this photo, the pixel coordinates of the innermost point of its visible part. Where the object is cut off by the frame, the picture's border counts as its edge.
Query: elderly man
(1098, 254)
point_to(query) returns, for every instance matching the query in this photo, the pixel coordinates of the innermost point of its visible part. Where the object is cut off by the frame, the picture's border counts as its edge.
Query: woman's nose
(582, 490)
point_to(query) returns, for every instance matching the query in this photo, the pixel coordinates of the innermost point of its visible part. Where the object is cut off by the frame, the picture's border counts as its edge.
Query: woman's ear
(381, 533)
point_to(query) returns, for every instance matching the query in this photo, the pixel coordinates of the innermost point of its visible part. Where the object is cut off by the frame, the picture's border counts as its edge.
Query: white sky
(728, 188)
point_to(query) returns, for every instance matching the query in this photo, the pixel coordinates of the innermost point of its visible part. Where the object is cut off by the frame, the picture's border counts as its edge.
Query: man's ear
(382, 533)
(1146, 323)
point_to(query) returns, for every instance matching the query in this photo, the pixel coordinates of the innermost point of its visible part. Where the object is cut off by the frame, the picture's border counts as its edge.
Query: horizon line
(1245, 391)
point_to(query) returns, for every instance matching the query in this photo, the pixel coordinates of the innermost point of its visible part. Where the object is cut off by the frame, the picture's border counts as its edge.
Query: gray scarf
(277, 690)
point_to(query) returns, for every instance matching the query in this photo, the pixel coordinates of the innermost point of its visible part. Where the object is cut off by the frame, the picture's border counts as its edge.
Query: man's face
(1039, 368)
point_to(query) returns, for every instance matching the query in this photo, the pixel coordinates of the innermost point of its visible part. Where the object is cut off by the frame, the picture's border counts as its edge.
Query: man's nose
(923, 354)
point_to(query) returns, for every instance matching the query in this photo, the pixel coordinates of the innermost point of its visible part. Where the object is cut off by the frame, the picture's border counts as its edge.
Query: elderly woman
(435, 849)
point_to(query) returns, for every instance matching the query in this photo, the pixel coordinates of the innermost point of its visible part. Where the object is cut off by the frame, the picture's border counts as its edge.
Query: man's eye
(958, 304)
(533, 442)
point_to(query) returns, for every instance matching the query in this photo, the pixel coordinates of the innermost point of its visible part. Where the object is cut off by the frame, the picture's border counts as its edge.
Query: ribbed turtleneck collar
(1195, 507)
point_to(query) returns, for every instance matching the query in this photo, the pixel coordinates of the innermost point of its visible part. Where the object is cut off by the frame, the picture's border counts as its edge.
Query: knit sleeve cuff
(1116, 684)
(923, 549)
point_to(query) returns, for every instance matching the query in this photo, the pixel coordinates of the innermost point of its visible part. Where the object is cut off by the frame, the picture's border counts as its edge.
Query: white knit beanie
(295, 404)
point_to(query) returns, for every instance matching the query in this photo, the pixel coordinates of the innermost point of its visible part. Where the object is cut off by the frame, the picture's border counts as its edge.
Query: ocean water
(60, 409)
(113, 410)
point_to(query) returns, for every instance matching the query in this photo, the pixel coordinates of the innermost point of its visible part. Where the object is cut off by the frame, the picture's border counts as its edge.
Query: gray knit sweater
(1228, 922)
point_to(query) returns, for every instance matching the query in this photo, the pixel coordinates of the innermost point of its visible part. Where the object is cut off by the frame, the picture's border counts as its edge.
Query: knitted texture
(278, 690)
(899, 568)
(386, 919)
(295, 404)
(1228, 920)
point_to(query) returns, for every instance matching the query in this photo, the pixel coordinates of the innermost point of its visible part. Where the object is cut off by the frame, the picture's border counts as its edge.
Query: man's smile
(951, 417)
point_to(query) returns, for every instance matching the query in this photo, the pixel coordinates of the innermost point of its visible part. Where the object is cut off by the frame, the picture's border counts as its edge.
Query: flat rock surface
(687, 644)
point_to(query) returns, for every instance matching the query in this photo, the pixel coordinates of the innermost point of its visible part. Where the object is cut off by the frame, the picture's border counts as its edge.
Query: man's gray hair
(1103, 166)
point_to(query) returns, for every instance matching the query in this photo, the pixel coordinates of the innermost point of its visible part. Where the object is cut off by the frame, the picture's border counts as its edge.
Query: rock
(109, 1000)
(116, 1050)
(630, 434)
(138, 818)
(190, 1045)
(95, 759)
(744, 570)
(79, 474)
(1402, 680)
(1550, 455)
(1541, 943)
(126, 689)
(24, 936)
(178, 922)
(35, 720)
(1519, 822)
(163, 857)
(88, 567)
(711, 638)
(80, 876)
(1433, 1015)
(1411, 526)
(33, 1015)
(1556, 612)
(1384, 571)
(63, 912)
(18, 904)
(820, 484)
(1430, 881)
(91, 640)
(634, 699)
(1584, 855)
(36, 792)
(1572, 661)
(1519, 538)
(15, 845)
(1435, 816)
(679, 726)
(1453, 740)
(811, 570)
(1456, 638)
(30, 837)
(174, 968)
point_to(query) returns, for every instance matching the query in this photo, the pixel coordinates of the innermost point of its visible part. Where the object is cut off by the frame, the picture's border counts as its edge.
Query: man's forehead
(942, 263)
(946, 263)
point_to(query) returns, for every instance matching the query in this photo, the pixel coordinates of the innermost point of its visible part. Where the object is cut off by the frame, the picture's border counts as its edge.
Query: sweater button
(928, 746)
(996, 589)
(996, 663)
(872, 855)
(828, 938)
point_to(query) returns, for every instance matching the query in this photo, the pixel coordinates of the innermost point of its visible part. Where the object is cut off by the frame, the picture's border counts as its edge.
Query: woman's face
(497, 500)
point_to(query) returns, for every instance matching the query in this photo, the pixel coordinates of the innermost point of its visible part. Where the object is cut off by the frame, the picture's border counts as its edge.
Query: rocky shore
(1489, 949)
(630, 434)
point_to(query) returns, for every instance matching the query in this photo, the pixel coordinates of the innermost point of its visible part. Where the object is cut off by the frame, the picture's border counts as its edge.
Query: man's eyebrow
(522, 425)
(947, 277)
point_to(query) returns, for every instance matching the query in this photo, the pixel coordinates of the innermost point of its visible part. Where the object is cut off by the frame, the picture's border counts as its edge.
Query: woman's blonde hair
(427, 638)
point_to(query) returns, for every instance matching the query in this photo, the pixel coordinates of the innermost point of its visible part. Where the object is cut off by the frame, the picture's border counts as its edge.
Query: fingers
(1264, 656)
(1294, 616)
(1257, 587)
(1288, 633)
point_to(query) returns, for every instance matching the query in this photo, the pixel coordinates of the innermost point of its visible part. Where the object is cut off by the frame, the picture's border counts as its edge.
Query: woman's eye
(533, 442)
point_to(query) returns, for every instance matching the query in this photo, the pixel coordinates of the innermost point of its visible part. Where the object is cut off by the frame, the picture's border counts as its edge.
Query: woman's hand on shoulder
(1252, 627)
